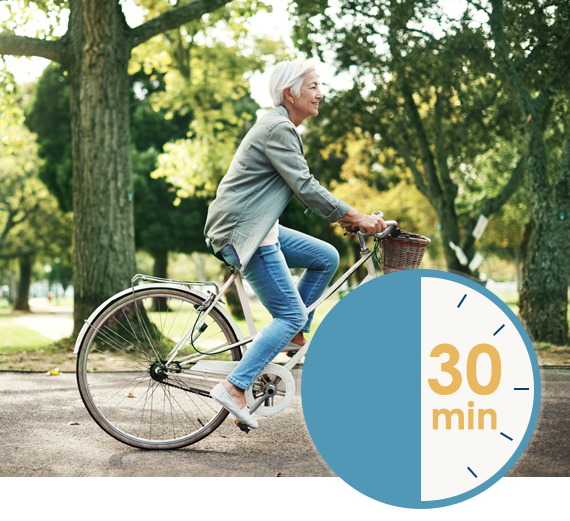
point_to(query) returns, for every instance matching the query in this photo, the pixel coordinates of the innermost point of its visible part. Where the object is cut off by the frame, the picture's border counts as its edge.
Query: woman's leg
(319, 259)
(270, 278)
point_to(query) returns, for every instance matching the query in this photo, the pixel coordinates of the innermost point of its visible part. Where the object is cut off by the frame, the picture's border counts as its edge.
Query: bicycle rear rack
(188, 283)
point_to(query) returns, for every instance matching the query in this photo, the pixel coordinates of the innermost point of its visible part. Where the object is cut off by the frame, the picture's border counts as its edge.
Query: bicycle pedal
(243, 427)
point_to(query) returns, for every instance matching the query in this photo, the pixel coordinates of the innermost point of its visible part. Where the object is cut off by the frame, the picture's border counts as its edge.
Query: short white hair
(288, 74)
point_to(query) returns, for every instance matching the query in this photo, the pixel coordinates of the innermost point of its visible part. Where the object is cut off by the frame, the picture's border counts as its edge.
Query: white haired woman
(268, 169)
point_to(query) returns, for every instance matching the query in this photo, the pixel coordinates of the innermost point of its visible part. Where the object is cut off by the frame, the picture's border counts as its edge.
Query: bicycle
(148, 357)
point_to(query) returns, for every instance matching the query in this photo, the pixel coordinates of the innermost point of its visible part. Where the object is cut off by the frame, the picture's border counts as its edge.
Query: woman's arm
(283, 148)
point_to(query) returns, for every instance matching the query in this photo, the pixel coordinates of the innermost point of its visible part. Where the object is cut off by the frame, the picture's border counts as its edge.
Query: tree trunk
(22, 299)
(543, 299)
(160, 270)
(449, 233)
(103, 235)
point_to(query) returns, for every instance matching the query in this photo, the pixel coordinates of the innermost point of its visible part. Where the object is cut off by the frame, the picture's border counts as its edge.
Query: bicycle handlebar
(390, 225)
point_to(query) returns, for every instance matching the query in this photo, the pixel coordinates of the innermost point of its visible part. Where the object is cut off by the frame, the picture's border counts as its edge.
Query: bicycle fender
(93, 317)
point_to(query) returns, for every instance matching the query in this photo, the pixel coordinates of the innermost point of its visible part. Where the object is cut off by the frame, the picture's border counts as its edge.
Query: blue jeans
(269, 276)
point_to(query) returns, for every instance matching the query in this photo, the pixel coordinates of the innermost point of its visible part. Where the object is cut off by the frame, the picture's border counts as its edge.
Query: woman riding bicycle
(268, 169)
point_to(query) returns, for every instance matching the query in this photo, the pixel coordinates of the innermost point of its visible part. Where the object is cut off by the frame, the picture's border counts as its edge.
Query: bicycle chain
(188, 389)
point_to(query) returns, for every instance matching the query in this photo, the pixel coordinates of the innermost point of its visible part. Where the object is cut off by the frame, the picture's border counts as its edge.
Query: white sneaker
(222, 396)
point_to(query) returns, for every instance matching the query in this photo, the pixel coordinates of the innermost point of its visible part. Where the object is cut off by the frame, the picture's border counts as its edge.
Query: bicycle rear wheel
(123, 375)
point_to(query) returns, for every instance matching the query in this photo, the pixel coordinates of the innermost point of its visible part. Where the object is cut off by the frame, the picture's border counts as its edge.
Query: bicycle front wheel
(127, 383)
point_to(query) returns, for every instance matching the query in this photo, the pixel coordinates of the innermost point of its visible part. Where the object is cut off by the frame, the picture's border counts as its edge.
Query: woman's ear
(287, 94)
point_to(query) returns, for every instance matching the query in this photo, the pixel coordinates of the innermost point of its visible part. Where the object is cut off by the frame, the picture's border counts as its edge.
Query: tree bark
(23, 296)
(103, 235)
(543, 300)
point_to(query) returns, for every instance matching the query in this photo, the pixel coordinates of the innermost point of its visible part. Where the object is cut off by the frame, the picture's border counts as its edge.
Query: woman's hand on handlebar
(355, 221)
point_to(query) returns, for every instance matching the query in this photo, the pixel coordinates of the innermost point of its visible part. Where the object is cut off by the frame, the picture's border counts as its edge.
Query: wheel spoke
(122, 379)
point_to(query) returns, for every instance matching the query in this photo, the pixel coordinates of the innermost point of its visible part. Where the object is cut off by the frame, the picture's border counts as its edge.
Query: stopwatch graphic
(421, 389)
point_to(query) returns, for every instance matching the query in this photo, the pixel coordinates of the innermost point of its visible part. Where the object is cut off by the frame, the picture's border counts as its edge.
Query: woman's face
(307, 104)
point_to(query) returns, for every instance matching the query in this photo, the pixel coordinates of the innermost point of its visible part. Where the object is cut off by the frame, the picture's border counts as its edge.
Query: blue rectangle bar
(462, 300)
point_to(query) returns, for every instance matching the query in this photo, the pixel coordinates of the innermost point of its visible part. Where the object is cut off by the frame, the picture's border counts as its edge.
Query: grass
(23, 348)
(15, 337)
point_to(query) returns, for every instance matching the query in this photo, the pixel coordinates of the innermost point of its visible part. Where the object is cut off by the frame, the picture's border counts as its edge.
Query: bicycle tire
(119, 364)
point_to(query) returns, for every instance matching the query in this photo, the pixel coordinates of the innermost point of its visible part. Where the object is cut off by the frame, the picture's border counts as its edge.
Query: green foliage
(22, 192)
(427, 104)
(208, 80)
(49, 118)
(159, 224)
(378, 43)
(20, 15)
(190, 102)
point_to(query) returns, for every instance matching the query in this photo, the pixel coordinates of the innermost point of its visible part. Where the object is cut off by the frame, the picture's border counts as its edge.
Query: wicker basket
(403, 253)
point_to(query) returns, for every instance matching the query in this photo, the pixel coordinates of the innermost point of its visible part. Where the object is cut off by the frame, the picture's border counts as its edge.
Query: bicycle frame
(202, 372)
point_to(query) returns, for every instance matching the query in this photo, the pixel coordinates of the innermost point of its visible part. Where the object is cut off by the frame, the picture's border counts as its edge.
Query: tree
(160, 225)
(21, 193)
(30, 222)
(95, 52)
(45, 236)
(48, 117)
(417, 94)
(523, 31)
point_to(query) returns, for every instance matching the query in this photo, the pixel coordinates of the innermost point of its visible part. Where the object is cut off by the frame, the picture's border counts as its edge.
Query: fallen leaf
(53, 372)
(279, 474)
(73, 423)
(131, 395)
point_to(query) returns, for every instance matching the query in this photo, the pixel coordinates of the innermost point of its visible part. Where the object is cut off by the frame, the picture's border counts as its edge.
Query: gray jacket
(268, 169)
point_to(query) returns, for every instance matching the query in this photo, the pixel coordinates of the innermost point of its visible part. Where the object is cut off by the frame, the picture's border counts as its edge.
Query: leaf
(53, 372)
(73, 423)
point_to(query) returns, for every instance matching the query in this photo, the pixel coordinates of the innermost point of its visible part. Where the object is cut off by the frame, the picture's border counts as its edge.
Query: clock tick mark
(471, 471)
(458, 305)
(521, 388)
(508, 437)
(498, 329)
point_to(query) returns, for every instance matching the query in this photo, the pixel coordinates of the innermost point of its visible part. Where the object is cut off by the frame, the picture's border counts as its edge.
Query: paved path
(37, 439)
(53, 326)
(548, 453)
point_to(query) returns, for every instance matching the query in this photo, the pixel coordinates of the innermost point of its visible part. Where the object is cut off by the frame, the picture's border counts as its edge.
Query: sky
(275, 23)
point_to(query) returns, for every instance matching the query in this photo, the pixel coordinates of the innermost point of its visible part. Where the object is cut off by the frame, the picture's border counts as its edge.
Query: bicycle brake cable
(201, 330)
